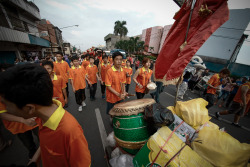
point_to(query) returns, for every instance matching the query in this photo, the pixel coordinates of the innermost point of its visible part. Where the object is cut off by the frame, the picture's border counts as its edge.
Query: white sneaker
(80, 108)
(83, 104)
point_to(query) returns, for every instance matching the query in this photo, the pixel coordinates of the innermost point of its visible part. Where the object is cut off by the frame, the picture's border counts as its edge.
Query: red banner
(172, 61)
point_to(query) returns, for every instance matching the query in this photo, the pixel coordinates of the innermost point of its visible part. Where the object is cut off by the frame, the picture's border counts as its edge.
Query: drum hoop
(130, 145)
(130, 128)
(129, 118)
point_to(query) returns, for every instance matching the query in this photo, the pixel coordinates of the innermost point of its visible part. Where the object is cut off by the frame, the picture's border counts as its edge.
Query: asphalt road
(95, 123)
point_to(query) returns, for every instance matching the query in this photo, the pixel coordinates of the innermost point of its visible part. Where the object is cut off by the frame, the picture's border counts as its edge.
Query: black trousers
(230, 99)
(140, 95)
(127, 87)
(28, 140)
(67, 89)
(92, 90)
(210, 98)
(191, 84)
(80, 96)
(103, 87)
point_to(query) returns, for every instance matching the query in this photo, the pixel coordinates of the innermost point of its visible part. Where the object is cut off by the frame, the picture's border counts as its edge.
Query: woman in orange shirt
(142, 77)
(103, 68)
(129, 72)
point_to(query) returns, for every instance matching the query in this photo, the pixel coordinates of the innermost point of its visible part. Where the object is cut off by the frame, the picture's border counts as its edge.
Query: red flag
(172, 61)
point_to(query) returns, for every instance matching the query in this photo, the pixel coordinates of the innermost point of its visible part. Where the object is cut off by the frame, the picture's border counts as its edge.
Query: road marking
(169, 94)
(101, 127)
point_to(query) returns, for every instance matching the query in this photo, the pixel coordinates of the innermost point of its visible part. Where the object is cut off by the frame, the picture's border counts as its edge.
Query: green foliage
(120, 28)
(133, 45)
(140, 57)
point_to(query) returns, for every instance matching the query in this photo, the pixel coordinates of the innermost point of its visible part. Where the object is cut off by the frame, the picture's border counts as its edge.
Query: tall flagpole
(189, 22)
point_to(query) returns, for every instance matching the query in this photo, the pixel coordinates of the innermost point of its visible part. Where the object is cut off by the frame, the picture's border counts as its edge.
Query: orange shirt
(14, 127)
(104, 69)
(58, 86)
(62, 141)
(85, 63)
(62, 69)
(130, 72)
(237, 97)
(91, 71)
(143, 78)
(78, 77)
(214, 81)
(114, 79)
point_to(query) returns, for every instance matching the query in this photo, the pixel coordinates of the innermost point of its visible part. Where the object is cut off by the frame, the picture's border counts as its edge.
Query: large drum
(129, 126)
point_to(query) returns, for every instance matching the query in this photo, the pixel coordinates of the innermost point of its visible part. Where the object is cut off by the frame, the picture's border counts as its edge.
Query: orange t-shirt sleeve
(108, 78)
(67, 67)
(70, 74)
(124, 79)
(79, 155)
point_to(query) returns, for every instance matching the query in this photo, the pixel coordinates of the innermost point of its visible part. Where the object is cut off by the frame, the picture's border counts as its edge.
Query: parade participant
(62, 68)
(91, 76)
(103, 68)
(137, 64)
(184, 85)
(142, 77)
(213, 85)
(96, 62)
(27, 91)
(239, 104)
(110, 59)
(129, 71)
(124, 60)
(77, 80)
(59, 91)
(115, 82)
(85, 61)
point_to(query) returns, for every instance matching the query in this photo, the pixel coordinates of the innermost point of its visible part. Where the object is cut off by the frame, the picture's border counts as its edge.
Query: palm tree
(134, 42)
(120, 28)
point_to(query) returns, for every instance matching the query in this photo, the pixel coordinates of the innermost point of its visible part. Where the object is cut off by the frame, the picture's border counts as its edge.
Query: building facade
(19, 35)
(111, 40)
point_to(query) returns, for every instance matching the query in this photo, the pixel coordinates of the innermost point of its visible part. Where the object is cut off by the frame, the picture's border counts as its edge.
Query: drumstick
(130, 95)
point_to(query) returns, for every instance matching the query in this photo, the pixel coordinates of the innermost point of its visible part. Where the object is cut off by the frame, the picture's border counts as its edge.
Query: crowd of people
(38, 101)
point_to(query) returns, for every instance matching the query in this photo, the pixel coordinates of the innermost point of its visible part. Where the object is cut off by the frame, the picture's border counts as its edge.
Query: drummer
(142, 77)
(115, 81)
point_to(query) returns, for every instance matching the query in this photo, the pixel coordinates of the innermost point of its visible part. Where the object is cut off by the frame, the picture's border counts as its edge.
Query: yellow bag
(193, 112)
(221, 149)
(186, 158)
(208, 124)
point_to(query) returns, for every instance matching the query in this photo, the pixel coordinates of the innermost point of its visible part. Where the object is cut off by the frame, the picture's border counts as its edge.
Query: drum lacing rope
(161, 148)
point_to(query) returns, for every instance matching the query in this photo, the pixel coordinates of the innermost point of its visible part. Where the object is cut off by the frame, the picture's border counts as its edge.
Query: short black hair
(115, 54)
(26, 84)
(91, 57)
(74, 58)
(47, 62)
(104, 56)
(60, 53)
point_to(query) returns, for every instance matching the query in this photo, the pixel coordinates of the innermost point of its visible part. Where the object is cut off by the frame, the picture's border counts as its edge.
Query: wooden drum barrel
(129, 126)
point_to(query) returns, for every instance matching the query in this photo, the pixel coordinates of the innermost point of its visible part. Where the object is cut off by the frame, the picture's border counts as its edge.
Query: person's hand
(102, 82)
(66, 100)
(90, 84)
(217, 88)
(74, 90)
(30, 121)
(140, 86)
(122, 96)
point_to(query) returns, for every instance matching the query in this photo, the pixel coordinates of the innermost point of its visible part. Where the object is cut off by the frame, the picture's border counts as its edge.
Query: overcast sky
(96, 17)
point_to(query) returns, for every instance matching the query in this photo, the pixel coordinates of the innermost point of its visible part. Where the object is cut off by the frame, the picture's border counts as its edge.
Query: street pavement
(96, 126)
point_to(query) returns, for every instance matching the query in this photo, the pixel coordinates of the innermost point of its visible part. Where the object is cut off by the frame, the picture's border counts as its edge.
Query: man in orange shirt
(59, 86)
(103, 68)
(77, 79)
(213, 85)
(115, 81)
(62, 68)
(142, 77)
(110, 59)
(129, 71)
(91, 76)
(85, 61)
(239, 104)
(27, 91)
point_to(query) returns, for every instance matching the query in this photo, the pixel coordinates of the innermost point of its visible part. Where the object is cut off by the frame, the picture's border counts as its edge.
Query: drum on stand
(129, 126)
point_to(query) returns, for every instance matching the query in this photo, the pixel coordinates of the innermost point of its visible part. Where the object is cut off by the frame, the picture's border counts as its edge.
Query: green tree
(120, 28)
